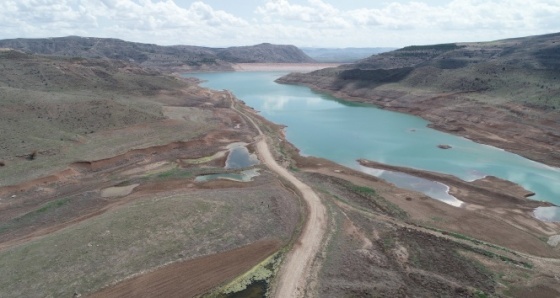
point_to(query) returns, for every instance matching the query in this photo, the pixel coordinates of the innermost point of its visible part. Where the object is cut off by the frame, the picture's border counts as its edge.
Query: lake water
(323, 126)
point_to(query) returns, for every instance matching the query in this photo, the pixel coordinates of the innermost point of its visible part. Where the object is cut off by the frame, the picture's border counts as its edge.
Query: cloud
(117, 18)
(456, 15)
(317, 13)
(300, 22)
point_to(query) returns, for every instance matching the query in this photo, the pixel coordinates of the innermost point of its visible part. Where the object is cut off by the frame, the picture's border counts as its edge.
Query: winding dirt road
(293, 276)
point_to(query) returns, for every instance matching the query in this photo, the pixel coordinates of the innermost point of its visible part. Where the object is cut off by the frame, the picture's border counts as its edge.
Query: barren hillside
(504, 93)
(179, 57)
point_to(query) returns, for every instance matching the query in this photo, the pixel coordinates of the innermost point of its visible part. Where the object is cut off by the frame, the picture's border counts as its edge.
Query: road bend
(292, 279)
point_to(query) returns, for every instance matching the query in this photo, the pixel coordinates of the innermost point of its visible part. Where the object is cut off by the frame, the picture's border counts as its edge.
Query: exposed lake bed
(323, 126)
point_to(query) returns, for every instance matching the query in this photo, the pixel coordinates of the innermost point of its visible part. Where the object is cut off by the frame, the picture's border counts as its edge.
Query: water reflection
(239, 157)
(551, 213)
(343, 132)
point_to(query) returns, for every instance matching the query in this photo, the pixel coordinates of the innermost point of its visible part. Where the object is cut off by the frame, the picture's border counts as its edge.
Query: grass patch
(32, 216)
(142, 235)
(480, 294)
(388, 242)
(364, 190)
(485, 252)
(379, 200)
(52, 205)
(438, 47)
(175, 173)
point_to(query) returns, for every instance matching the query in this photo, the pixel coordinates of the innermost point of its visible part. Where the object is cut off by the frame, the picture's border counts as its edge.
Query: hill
(342, 55)
(100, 161)
(264, 53)
(504, 93)
(180, 57)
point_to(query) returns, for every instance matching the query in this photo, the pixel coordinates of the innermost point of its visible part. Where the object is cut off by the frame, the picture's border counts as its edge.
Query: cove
(323, 126)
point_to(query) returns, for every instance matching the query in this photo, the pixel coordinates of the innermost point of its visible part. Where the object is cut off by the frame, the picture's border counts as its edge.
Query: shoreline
(451, 182)
(452, 126)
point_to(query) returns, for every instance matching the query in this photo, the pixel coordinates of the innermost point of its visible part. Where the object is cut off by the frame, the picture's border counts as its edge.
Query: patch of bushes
(438, 47)
(376, 75)
(52, 205)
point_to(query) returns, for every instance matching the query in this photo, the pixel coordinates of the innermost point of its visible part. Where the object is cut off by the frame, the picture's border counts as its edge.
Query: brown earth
(379, 239)
(506, 221)
(193, 277)
(141, 162)
(354, 260)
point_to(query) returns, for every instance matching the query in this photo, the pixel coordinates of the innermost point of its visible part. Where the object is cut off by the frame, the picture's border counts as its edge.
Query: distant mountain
(505, 93)
(155, 56)
(342, 54)
(264, 53)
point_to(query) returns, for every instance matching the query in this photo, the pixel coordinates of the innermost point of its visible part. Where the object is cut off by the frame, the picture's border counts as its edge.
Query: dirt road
(293, 276)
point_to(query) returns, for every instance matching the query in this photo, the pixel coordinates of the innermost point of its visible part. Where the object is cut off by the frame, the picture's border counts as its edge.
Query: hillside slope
(342, 55)
(100, 163)
(264, 53)
(180, 57)
(98, 160)
(504, 93)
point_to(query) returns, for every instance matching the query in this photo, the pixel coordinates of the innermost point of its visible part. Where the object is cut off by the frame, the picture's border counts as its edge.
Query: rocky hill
(264, 53)
(179, 57)
(505, 93)
(342, 55)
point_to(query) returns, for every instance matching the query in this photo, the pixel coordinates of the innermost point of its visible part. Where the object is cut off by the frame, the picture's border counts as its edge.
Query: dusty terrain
(391, 242)
(110, 203)
(90, 207)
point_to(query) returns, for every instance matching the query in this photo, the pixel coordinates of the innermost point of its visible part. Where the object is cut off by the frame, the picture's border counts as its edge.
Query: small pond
(239, 157)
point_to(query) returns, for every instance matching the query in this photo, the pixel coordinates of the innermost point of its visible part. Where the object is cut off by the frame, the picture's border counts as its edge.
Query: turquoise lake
(323, 126)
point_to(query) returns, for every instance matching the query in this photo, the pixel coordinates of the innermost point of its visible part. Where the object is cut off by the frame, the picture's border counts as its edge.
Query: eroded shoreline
(473, 120)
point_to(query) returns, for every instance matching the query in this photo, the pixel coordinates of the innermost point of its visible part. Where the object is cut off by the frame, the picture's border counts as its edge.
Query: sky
(304, 23)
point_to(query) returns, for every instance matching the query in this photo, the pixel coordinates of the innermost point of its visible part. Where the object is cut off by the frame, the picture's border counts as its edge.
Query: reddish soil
(193, 277)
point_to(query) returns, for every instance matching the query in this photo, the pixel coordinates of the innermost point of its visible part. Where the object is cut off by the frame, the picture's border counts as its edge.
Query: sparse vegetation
(438, 47)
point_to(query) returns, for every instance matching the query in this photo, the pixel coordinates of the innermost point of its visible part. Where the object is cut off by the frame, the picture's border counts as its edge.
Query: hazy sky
(323, 23)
